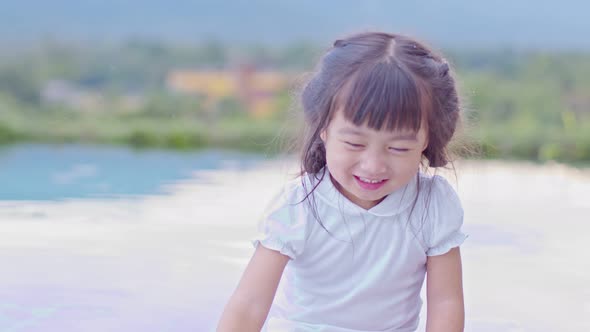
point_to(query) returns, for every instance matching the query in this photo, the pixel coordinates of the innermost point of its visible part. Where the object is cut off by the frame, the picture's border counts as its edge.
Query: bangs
(383, 96)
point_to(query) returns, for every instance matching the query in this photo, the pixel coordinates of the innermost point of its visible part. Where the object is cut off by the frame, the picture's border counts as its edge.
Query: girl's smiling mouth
(370, 184)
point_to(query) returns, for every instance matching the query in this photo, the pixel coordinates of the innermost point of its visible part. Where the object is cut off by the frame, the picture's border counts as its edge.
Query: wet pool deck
(169, 263)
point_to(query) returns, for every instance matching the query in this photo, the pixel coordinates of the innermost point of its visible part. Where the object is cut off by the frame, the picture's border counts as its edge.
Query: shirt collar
(393, 204)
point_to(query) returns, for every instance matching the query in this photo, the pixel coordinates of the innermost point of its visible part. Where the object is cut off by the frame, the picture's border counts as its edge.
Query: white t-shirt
(364, 269)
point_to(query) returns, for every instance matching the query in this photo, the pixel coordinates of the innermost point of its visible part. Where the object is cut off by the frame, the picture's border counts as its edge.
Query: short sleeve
(445, 219)
(283, 228)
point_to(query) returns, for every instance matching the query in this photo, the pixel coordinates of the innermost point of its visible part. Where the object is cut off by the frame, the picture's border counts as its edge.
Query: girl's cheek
(342, 155)
(340, 150)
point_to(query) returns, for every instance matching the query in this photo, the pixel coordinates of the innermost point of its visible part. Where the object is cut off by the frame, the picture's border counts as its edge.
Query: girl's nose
(373, 163)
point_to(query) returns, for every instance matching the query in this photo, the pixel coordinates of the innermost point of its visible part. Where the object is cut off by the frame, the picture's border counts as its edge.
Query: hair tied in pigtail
(444, 68)
(318, 152)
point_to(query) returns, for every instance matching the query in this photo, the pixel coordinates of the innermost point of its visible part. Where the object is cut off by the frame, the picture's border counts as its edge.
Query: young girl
(352, 239)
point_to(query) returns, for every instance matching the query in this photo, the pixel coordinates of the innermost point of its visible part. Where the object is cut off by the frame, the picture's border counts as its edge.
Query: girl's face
(365, 164)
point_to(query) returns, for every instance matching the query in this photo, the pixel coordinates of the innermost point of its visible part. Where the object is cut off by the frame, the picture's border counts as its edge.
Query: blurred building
(68, 94)
(255, 89)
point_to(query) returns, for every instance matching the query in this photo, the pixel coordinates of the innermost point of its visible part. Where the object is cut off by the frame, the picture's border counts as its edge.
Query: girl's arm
(249, 305)
(444, 293)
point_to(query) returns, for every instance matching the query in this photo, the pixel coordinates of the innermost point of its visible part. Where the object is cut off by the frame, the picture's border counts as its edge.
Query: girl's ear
(425, 144)
(426, 133)
(323, 135)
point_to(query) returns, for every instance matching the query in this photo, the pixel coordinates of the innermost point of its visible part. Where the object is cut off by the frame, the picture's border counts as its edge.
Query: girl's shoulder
(295, 189)
(437, 200)
(299, 188)
(437, 187)
(284, 225)
(443, 218)
(292, 193)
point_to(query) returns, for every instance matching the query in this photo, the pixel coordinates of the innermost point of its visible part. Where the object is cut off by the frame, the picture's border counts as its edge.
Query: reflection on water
(44, 172)
(169, 262)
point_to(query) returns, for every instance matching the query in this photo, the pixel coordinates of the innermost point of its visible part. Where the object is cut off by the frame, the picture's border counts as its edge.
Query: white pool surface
(170, 262)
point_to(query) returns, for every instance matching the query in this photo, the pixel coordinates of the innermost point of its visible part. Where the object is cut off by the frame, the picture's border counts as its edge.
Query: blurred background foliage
(531, 105)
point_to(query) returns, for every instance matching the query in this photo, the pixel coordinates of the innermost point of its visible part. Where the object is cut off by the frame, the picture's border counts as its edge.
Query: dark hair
(386, 81)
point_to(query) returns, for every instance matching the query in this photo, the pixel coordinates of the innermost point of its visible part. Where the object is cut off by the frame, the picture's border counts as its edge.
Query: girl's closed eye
(354, 145)
(399, 149)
